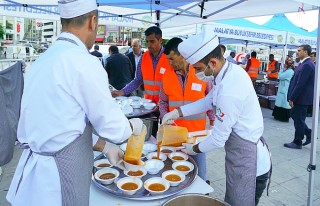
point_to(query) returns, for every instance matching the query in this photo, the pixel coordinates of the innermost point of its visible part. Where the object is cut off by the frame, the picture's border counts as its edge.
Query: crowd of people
(189, 80)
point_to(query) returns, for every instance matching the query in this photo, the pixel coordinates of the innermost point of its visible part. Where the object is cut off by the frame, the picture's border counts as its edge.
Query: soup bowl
(140, 173)
(102, 163)
(156, 185)
(106, 176)
(129, 185)
(153, 155)
(178, 156)
(174, 177)
(183, 166)
(154, 166)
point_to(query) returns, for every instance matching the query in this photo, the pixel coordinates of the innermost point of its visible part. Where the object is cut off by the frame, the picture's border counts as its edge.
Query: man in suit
(300, 96)
(135, 57)
(97, 53)
(119, 68)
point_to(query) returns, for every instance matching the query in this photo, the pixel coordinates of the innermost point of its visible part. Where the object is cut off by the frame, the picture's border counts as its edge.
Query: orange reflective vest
(254, 68)
(271, 68)
(193, 91)
(152, 78)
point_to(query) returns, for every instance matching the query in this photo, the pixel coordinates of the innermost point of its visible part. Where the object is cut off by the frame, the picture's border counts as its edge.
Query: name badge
(162, 70)
(196, 87)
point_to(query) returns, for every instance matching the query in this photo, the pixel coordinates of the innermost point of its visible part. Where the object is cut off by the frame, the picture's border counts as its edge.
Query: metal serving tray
(141, 112)
(143, 194)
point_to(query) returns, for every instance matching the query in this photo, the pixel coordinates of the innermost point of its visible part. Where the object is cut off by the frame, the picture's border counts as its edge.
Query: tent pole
(315, 115)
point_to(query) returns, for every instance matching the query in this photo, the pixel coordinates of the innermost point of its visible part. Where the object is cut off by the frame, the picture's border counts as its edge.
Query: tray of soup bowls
(140, 107)
(154, 172)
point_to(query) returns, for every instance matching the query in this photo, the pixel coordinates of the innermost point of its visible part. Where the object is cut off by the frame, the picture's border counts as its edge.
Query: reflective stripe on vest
(150, 92)
(177, 97)
(254, 68)
(271, 68)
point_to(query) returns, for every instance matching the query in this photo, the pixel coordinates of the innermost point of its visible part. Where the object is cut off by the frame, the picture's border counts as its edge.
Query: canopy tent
(282, 23)
(173, 13)
(167, 13)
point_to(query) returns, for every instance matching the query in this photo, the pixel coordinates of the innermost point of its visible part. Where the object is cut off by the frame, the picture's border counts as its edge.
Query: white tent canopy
(141, 13)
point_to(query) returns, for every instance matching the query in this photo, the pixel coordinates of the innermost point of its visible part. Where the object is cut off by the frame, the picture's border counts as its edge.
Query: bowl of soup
(174, 177)
(167, 150)
(154, 166)
(102, 163)
(156, 185)
(178, 156)
(183, 166)
(140, 173)
(132, 167)
(106, 176)
(129, 185)
(154, 155)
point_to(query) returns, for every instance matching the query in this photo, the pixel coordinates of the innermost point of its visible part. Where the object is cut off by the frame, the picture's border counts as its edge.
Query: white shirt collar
(75, 38)
(304, 59)
(220, 75)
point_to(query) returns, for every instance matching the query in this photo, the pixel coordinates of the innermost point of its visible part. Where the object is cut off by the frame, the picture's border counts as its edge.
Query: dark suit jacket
(133, 61)
(302, 84)
(96, 53)
(119, 70)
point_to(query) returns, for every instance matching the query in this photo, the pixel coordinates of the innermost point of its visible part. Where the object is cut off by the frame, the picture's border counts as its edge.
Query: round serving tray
(143, 194)
(141, 112)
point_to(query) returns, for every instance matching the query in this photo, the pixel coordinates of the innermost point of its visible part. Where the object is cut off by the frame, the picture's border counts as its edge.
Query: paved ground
(290, 178)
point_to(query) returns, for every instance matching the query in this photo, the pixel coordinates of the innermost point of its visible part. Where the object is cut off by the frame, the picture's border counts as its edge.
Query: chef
(65, 95)
(238, 125)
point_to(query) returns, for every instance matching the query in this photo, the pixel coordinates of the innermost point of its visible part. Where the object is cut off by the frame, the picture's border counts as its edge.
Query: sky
(307, 20)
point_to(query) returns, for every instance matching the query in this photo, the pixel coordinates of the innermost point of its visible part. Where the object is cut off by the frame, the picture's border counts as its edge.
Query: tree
(1, 31)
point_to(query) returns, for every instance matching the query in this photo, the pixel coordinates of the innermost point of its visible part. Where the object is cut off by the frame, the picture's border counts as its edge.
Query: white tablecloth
(99, 197)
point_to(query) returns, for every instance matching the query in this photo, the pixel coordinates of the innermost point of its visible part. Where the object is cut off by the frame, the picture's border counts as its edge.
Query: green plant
(1, 31)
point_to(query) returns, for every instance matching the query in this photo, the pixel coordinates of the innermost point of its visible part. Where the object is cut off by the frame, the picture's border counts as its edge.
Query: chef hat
(198, 46)
(73, 8)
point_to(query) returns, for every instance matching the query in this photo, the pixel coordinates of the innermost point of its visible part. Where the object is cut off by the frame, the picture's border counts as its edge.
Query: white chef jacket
(64, 89)
(237, 109)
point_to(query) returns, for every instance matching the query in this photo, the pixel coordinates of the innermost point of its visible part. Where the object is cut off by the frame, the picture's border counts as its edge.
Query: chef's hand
(189, 149)
(113, 153)
(170, 117)
(137, 126)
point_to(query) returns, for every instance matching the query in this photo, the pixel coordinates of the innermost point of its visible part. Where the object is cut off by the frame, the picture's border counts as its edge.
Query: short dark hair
(271, 55)
(231, 53)
(314, 54)
(172, 45)
(223, 47)
(307, 48)
(114, 49)
(96, 47)
(216, 53)
(79, 20)
(153, 30)
(253, 54)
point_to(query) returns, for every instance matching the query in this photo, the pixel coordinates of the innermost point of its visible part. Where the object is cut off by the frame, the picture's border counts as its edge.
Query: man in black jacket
(135, 57)
(300, 96)
(119, 68)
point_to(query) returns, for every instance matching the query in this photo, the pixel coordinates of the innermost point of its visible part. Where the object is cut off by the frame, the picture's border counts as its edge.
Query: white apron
(74, 163)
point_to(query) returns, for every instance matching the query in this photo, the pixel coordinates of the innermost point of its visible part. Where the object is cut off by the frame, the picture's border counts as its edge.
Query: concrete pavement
(289, 185)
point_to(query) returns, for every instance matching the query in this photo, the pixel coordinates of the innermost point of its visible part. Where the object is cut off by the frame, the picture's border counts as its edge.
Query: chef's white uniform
(237, 109)
(64, 89)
